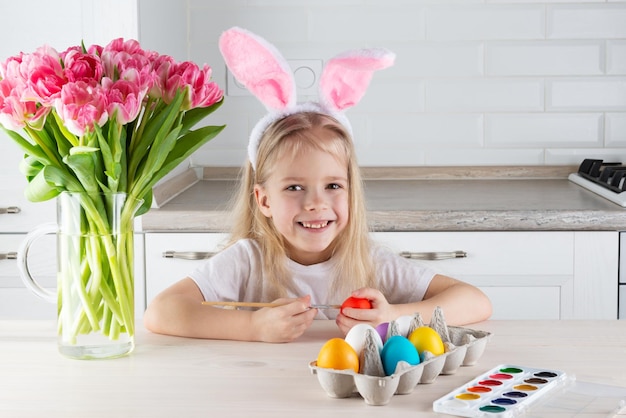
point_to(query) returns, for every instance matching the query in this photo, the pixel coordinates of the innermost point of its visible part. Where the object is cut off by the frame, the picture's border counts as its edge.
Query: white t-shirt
(235, 274)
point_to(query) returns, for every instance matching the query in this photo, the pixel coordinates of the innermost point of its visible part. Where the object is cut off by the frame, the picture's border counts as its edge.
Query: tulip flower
(103, 120)
(124, 99)
(82, 105)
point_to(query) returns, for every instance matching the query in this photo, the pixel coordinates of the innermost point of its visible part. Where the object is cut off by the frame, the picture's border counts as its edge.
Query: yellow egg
(337, 354)
(426, 339)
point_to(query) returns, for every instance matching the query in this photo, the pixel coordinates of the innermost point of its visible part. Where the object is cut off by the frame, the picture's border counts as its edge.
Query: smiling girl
(300, 234)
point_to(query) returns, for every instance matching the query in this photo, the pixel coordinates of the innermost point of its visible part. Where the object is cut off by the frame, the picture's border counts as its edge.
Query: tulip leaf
(61, 179)
(47, 144)
(83, 167)
(61, 136)
(156, 158)
(38, 189)
(65, 133)
(154, 131)
(146, 204)
(193, 116)
(30, 167)
(189, 143)
(28, 147)
(81, 149)
(184, 147)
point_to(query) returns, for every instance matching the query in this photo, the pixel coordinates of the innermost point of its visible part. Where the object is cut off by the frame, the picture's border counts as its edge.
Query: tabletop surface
(179, 377)
(424, 205)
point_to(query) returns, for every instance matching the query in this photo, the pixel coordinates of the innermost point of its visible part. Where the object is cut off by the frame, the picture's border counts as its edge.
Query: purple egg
(382, 330)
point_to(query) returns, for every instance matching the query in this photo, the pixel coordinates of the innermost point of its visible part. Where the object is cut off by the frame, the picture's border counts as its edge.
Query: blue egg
(396, 349)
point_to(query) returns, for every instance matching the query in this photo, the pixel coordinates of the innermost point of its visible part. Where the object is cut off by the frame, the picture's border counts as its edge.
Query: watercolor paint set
(504, 391)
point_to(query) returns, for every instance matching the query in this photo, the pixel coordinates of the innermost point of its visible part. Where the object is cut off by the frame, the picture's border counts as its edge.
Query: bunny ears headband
(259, 66)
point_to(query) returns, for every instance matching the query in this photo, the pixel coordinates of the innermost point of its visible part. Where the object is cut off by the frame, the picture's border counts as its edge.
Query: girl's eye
(294, 187)
(334, 186)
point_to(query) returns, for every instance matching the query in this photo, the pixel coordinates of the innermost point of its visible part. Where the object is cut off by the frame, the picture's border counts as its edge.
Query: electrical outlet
(306, 74)
(234, 87)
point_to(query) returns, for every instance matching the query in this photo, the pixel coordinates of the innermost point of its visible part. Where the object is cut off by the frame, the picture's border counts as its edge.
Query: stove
(607, 179)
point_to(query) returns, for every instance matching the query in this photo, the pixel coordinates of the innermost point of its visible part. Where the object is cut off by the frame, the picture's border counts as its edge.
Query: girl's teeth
(314, 226)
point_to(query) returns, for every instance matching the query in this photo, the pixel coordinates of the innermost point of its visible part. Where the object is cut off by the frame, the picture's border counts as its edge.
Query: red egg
(358, 303)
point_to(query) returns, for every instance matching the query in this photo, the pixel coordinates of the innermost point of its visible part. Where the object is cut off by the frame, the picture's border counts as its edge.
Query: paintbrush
(263, 305)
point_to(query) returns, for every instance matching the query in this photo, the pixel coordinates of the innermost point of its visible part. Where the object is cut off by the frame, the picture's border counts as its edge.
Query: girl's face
(306, 197)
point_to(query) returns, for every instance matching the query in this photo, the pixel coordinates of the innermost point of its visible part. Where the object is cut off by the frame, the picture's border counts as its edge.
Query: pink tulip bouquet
(111, 119)
(101, 122)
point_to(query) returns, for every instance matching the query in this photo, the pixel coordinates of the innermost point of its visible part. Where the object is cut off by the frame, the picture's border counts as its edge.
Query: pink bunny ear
(259, 66)
(346, 77)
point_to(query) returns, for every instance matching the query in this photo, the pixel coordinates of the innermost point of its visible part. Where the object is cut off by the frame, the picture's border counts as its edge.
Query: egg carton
(467, 347)
(463, 347)
(373, 389)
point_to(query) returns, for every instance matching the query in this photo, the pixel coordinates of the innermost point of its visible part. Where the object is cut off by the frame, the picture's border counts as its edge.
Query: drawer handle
(188, 255)
(10, 209)
(11, 255)
(433, 255)
(199, 255)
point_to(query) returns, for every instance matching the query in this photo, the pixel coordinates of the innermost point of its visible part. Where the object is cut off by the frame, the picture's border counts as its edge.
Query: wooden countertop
(424, 204)
(178, 377)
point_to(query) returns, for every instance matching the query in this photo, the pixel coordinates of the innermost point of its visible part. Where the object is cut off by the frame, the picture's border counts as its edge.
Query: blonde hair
(294, 134)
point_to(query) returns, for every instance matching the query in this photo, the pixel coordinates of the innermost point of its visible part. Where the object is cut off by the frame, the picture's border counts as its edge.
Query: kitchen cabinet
(18, 216)
(16, 301)
(527, 275)
(172, 256)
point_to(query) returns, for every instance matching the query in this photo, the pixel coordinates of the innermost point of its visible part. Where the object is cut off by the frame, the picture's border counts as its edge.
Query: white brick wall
(476, 82)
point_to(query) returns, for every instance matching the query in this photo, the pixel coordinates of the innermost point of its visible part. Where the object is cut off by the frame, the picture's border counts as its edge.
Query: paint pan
(510, 391)
(502, 392)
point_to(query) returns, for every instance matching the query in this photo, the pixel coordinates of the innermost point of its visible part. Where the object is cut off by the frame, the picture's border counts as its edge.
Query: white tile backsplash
(423, 60)
(574, 156)
(426, 131)
(576, 94)
(586, 21)
(409, 97)
(616, 57)
(482, 22)
(278, 24)
(484, 94)
(476, 82)
(563, 130)
(388, 157)
(544, 58)
(615, 135)
(485, 156)
(382, 23)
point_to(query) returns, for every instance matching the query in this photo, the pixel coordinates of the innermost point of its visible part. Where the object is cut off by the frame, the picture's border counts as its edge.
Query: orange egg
(337, 354)
(427, 339)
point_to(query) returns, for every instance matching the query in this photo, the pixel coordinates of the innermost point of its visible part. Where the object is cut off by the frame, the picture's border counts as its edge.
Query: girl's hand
(283, 323)
(381, 311)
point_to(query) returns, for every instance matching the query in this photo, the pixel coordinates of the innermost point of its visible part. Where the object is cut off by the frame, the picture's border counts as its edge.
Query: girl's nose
(314, 200)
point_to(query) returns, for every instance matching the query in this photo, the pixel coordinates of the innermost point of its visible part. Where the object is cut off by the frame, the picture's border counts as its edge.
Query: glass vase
(95, 274)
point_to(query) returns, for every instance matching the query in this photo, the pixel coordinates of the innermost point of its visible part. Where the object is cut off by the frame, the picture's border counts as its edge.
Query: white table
(177, 377)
